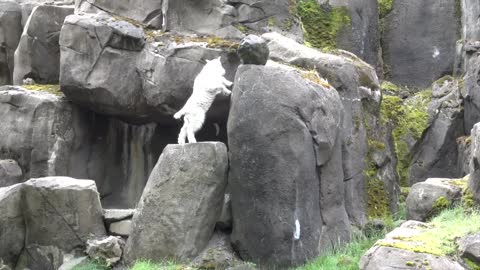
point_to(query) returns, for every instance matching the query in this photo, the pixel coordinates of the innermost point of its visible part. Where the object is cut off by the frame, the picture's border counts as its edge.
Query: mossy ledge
(322, 23)
(48, 88)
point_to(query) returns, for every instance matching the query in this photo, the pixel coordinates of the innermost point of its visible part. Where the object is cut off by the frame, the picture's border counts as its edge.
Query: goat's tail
(179, 114)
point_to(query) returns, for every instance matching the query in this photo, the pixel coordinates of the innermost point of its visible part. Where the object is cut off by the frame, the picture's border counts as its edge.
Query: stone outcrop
(472, 88)
(10, 173)
(147, 12)
(436, 153)
(253, 50)
(418, 64)
(285, 174)
(428, 198)
(469, 248)
(10, 32)
(474, 181)
(125, 77)
(108, 251)
(358, 86)
(403, 253)
(38, 53)
(47, 217)
(181, 203)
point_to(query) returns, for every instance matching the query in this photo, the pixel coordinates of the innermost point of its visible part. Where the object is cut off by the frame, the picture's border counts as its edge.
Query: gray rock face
(374, 259)
(358, 86)
(38, 53)
(70, 207)
(218, 254)
(253, 50)
(470, 23)
(107, 251)
(284, 156)
(47, 136)
(464, 154)
(112, 215)
(418, 64)
(435, 154)
(10, 32)
(474, 182)
(121, 228)
(428, 198)
(43, 218)
(10, 173)
(148, 12)
(125, 78)
(265, 16)
(40, 257)
(469, 248)
(472, 88)
(362, 36)
(182, 201)
(12, 233)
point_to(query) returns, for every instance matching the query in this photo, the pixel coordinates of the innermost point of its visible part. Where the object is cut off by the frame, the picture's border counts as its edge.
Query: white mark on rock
(436, 52)
(296, 234)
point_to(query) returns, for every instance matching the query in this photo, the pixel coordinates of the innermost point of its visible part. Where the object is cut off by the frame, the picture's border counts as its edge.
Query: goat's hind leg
(183, 134)
(195, 123)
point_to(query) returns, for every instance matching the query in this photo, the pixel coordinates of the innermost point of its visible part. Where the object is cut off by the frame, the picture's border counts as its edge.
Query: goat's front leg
(226, 92)
(227, 82)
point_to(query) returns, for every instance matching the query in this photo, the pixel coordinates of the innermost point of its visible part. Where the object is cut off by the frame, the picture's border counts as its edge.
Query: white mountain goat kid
(207, 85)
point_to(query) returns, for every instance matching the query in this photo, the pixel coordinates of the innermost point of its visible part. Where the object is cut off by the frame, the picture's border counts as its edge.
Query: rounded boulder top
(253, 50)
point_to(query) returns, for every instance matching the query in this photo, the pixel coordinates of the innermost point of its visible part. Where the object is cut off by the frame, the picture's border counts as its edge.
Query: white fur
(207, 85)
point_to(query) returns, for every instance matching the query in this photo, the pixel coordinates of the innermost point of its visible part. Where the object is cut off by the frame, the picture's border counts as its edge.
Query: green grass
(90, 266)
(49, 88)
(440, 237)
(345, 258)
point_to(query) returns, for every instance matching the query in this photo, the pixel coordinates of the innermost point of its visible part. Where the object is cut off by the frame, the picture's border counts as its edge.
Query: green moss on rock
(440, 204)
(48, 88)
(384, 8)
(409, 118)
(322, 23)
(377, 199)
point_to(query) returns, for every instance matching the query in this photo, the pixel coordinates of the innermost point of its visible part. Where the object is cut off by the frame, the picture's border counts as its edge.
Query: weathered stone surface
(435, 154)
(362, 35)
(418, 64)
(253, 50)
(278, 158)
(182, 201)
(469, 248)
(70, 207)
(113, 215)
(428, 198)
(472, 88)
(107, 251)
(474, 181)
(265, 16)
(72, 263)
(10, 32)
(148, 12)
(121, 228)
(40, 257)
(10, 173)
(48, 136)
(470, 22)
(38, 52)
(218, 254)
(12, 225)
(464, 154)
(125, 78)
(375, 259)
(358, 85)
(225, 220)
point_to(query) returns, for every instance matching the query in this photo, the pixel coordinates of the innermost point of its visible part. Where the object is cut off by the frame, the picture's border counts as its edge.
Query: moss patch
(471, 264)
(49, 88)
(313, 76)
(322, 23)
(389, 86)
(410, 118)
(384, 8)
(440, 204)
(377, 199)
(439, 238)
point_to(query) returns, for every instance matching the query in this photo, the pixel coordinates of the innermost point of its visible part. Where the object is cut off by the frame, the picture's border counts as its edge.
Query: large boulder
(12, 225)
(70, 207)
(436, 153)
(400, 250)
(418, 64)
(10, 32)
(357, 84)
(181, 203)
(124, 77)
(285, 154)
(428, 198)
(38, 53)
(470, 23)
(469, 248)
(10, 173)
(148, 12)
(474, 182)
